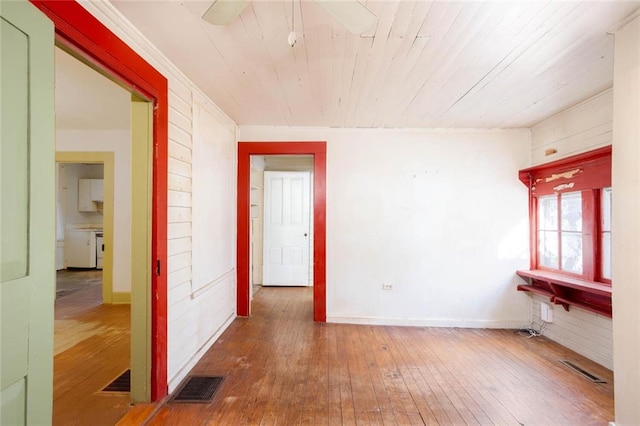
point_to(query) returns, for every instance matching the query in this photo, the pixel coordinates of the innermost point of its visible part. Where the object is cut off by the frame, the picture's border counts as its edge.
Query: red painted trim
(593, 172)
(318, 150)
(243, 304)
(533, 234)
(320, 237)
(590, 235)
(82, 33)
(568, 291)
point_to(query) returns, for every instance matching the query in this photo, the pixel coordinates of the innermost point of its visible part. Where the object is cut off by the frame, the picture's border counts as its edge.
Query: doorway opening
(94, 242)
(79, 33)
(315, 150)
(85, 227)
(80, 224)
(88, 40)
(281, 221)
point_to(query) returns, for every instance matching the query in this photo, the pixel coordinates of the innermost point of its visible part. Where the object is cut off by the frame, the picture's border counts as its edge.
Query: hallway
(91, 348)
(281, 368)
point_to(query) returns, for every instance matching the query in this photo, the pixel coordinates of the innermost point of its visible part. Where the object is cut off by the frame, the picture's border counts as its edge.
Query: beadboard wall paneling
(583, 127)
(195, 321)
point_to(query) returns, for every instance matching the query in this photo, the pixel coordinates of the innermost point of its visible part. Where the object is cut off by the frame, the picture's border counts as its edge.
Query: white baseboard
(427, 322)
(184, 371)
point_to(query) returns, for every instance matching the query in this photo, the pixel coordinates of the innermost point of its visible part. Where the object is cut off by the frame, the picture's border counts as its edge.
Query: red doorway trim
(319, 152)
(78, 30)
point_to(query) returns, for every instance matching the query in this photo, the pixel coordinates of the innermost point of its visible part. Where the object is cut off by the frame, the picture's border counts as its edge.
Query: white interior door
(27, 215)
(286, 228)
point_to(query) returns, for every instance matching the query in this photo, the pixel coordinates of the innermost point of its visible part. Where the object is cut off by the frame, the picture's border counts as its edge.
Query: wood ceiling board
(319, 73)
(274, 20)
(544, 79)
(468, 64)
(440, 19)
(353, 81)
(259, 63)
(561, 96)
(519, 70)
(402, 64)
(400, 71)
(460, 60)
(378, 61)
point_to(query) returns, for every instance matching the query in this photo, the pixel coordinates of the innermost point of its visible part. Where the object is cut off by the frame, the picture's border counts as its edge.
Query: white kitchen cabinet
(80, 248)
(90, 193)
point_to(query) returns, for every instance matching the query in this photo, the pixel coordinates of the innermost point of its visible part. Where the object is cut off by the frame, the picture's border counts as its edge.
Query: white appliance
(80, 248)
(99, 249)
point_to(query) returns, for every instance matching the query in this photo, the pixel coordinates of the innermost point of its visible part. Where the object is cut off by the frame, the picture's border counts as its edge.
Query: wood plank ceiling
(423, 65)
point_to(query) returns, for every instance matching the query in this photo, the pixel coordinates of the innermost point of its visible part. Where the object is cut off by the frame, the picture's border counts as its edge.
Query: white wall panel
(178, 230)
(179, 135)
(179, 245)
(581, 128)
(213, 197)
(588, 334)
(179, 183)
(440, 215)
(180, 168)
(182, 280)
(195, 321)
(179, 152)
(626, 224)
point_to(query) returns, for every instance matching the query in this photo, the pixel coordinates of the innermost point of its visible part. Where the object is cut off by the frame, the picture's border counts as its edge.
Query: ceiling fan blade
(223, 12)
(352, 14)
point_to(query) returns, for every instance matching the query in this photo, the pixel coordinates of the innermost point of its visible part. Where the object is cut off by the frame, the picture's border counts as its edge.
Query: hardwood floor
(91, 349)
(281, 368)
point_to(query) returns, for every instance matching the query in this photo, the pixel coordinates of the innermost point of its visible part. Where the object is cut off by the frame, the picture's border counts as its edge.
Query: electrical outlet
(546, 313)
(387, 286)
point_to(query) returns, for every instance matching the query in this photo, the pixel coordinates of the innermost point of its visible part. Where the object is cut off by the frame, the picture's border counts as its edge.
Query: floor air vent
(121, 384)
(198, 389)
(591, 377)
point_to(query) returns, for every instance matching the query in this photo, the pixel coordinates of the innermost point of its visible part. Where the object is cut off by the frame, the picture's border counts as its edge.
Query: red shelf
(568, 291)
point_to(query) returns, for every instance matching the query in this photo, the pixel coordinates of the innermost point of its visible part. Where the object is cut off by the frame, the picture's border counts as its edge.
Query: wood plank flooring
(283, 369)
(91, 347)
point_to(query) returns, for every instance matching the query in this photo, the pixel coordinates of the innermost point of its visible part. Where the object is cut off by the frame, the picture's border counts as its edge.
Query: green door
(27, 233)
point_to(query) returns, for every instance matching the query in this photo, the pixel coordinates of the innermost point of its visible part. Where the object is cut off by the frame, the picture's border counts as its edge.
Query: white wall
(118, 142)
(68, 189)
(582, 331)
(440, 215)
(626, 224)
(195, 318)
(584, 127)
(581, 128)
(213, 172)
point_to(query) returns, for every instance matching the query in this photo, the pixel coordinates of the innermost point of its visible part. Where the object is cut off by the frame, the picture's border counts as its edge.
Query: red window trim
(588, 173)
(589, 170)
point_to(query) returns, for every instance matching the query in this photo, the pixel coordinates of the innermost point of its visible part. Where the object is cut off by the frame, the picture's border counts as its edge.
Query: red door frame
(78, 30)
(319, 152)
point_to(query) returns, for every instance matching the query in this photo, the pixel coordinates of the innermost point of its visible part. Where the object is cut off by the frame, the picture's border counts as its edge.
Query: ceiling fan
(352, 14)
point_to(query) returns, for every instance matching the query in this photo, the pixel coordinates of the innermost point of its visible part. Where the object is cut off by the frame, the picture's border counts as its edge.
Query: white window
(560, 232)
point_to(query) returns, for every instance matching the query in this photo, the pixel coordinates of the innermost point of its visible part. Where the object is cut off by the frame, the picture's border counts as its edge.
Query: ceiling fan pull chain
(292, 35)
